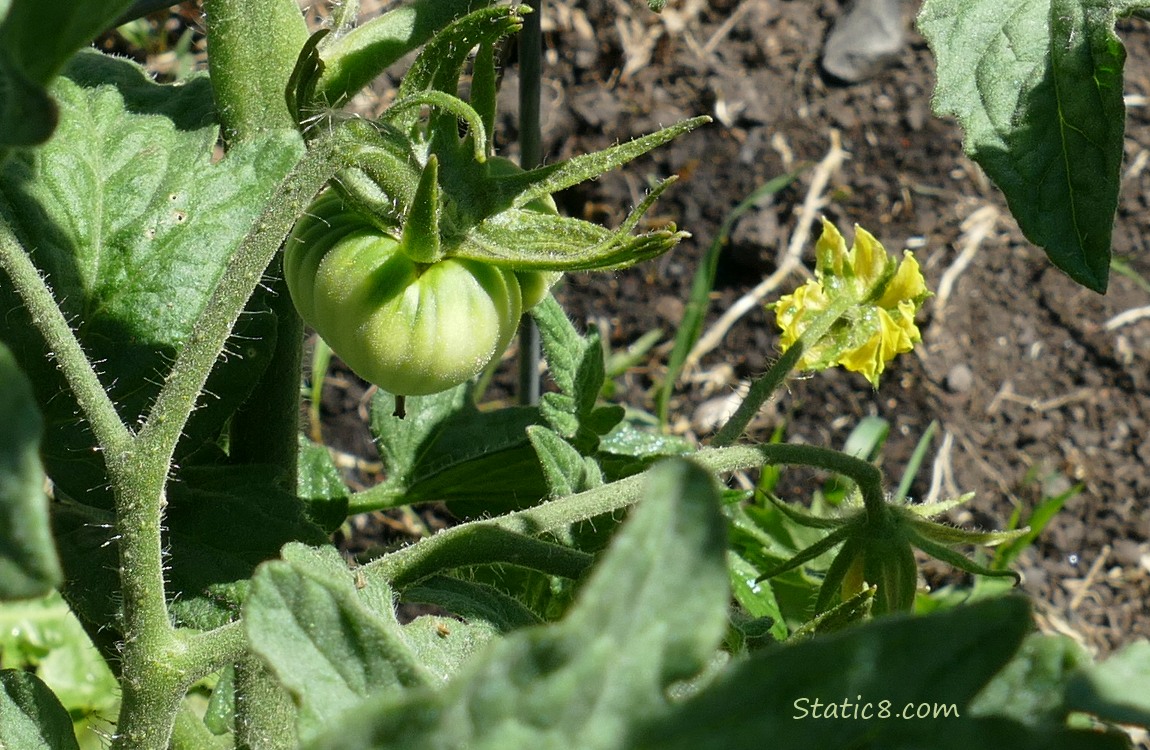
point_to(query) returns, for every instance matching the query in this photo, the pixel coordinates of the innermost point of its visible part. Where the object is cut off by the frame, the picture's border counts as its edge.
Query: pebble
(960, 379)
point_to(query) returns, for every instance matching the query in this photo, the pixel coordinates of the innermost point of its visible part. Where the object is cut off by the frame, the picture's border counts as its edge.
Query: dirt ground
(1035, 386)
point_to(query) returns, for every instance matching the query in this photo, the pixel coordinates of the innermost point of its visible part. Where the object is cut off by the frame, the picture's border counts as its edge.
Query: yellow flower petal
(830, 251)
(868, 257)
(907, 284)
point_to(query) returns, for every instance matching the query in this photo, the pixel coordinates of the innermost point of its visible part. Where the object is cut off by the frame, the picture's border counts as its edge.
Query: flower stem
(763, 388)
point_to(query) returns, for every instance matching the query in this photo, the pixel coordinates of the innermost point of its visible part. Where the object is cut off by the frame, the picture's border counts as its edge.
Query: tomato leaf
(567, 471)
(1117, 689)
(938, 660)
(132, 223)
(31, 717)
(1037, 85)
(650, 615)
(444, 448)
(577, 365)
(28, 563)
(332, 639)
(34, 45)
(320, 486)
(43, 635)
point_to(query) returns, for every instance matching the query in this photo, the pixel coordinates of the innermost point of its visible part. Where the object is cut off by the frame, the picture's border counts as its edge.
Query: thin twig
(975, 229)
(1091, 575)
(790, 261)
(1126, 318)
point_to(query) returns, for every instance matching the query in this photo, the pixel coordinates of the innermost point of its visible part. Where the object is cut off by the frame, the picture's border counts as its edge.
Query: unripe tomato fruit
(410, 328)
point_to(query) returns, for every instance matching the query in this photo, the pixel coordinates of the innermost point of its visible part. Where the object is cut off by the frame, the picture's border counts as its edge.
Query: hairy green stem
(484, 544)
(186, 379)
(206, 653)
(458, 545)
(763, 388)
(46, 315)
(265, 716)
(253, 46)
(154, 674)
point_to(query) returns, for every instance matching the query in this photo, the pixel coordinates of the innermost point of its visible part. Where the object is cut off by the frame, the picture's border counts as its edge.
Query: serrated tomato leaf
(1037, 86)
(444, 448)
(131, 219)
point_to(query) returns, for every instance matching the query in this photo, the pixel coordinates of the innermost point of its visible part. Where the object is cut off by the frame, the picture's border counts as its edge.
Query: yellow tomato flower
(879, 324)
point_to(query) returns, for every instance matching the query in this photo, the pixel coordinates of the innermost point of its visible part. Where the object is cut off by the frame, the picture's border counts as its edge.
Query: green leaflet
(31, 717)
(939, 661)
(332, 640)
(1117, 689)
(320, 486)
(1030, 688)
(651, 614)
(132, 223)
(444, 448)
(1037, 85)
(28, 563)
(43, 635)
(567, 472)
(34, 45)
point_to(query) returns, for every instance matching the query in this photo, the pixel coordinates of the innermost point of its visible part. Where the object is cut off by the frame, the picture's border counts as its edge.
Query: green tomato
(412, 329)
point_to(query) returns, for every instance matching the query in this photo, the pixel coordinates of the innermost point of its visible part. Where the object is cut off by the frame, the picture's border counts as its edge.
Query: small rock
(864, 40)
(960, 379)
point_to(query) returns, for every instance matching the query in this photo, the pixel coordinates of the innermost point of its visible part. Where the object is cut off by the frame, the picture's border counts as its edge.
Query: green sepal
(484, 88)
(831, 589)
(523, 240)
(476, 128)
(853, 610)
(517, 190)
(890, 565)
(385, 180)
(353, 59)
(304, 77)
(440, 62)
(420, 240)
(960, 561)
(827, 543)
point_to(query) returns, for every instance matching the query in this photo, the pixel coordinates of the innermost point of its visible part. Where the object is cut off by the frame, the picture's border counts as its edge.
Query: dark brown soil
(1018, 366)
